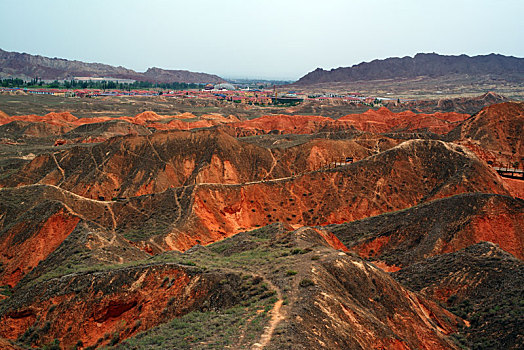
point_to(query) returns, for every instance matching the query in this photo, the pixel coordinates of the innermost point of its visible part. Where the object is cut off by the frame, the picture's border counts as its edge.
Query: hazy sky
(281, 39)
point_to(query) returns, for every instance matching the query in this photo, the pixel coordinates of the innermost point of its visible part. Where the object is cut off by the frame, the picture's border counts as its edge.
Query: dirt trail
(276, 317)
(272, 165)
(59, 168)
(63, 191)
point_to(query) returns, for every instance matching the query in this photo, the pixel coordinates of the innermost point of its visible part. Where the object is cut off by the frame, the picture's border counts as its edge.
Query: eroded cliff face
(181, 217)
(328, 197)
(21, 254)
(358, 304)
(93, 308)
(383, 121)
(137, 165)
(438, 227)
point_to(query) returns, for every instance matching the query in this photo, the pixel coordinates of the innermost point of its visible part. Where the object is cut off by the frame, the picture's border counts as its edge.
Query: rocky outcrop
(383, 121)
(96, 308)
(341, 299)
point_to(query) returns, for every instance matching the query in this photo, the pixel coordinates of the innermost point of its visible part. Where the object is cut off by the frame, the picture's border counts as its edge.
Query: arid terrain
(426, 76)
(158, 223)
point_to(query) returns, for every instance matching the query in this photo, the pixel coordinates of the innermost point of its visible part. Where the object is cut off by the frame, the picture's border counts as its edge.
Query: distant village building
(115, 80)
(224, 86)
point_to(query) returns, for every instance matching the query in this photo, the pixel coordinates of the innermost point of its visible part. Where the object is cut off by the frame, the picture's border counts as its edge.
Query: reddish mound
(498, 130)
(3, 116)
(64, 118)
(295, 124)
(389, 181)
(23, 130)
(379, 121)
(383, 120)
(515, 187)
(36, 220)
(439, 227)
(87, 307)
(135, 165)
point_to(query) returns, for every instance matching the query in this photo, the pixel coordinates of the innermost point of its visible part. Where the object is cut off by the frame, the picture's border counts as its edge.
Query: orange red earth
(382, 120)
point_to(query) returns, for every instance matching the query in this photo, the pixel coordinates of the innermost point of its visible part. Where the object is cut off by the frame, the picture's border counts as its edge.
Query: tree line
(98, 84)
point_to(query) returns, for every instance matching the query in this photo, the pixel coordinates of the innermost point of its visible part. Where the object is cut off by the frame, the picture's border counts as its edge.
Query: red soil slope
(136, 165)
(370, 187)
(35, 221)
(296, 124)
(378, 121)
(498, 131)
(383, 120)
(442, 226)
(87, 307)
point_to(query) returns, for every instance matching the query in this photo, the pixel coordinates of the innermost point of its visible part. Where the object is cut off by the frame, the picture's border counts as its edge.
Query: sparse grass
(306, 282)
(234, 327)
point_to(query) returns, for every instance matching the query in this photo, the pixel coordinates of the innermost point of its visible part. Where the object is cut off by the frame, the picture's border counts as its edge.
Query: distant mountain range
(423, 64)
(26, 66)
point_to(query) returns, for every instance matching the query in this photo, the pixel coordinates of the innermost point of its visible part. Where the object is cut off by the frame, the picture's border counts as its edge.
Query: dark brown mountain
(423, 64)
(26, 66)
(497, 129)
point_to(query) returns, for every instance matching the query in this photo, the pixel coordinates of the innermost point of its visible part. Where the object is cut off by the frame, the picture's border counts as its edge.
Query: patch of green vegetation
(54, 345)
(499, 313)
(136, 235)
(6, 290)
(234, 327)
(306, 282)
(34, 333)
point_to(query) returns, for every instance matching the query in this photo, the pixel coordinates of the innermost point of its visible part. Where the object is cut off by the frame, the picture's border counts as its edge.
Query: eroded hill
(275, 232)
(285, 281)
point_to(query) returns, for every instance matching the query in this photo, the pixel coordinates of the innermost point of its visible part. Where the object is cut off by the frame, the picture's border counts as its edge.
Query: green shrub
(54, 345)
(306, 282)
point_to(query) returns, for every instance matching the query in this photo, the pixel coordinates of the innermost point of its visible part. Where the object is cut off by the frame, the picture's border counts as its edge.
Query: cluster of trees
(102, 85)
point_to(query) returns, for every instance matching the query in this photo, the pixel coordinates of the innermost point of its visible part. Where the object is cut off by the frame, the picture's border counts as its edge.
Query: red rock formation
(321, 198)
(383, 120)
(438, 227)
(18, 258)
(91, 308)
(36, 220)
(498, 131)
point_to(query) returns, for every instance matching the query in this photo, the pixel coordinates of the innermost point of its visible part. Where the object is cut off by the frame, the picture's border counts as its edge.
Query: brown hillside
(383, 120)
(370, 187)
(86, 307)
(234, 285)
(497, 130)
(35, 221)
(438, 227)
(178, 218)
(135, 165)
(17, 130)
(482, 284)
